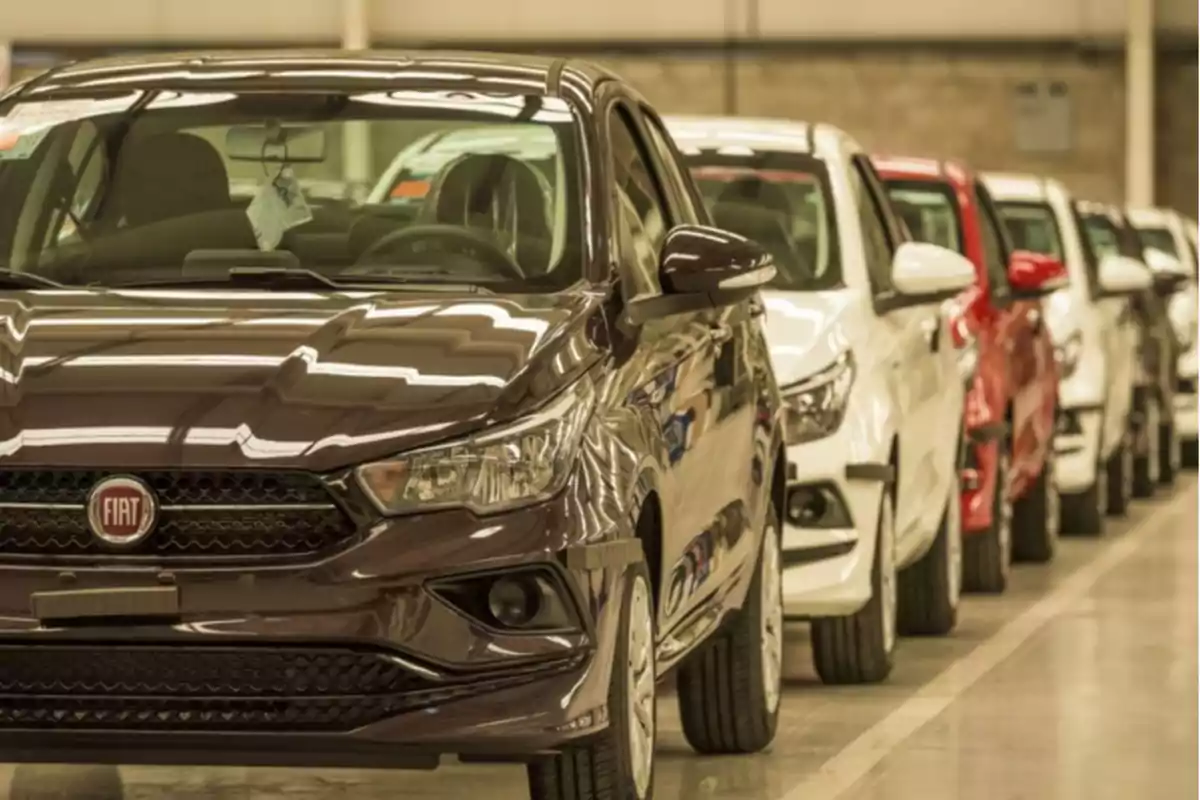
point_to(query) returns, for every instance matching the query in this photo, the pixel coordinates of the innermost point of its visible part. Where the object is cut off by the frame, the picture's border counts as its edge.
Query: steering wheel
(473, 244)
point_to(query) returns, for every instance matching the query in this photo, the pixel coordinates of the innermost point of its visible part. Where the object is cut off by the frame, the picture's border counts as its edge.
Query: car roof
(781, 135)
(1148, 217)
(1020, 187)
(280, 69)
(917, 168)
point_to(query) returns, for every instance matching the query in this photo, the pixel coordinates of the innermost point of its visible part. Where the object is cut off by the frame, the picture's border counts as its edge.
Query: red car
(1009, 503)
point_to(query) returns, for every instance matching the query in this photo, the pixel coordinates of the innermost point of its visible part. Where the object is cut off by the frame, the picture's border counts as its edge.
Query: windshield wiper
(11, 279)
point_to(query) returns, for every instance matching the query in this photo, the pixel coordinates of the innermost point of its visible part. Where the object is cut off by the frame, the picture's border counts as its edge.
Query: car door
(912, 336)
(675, 367)
(1028, 354)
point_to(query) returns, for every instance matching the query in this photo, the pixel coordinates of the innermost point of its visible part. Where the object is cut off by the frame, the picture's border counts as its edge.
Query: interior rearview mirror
(275, 144)
(1034, 274)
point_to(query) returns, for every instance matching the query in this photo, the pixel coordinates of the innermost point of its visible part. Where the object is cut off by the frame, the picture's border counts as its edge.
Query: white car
(1170, 232)
(871, 377)
(1096, 338)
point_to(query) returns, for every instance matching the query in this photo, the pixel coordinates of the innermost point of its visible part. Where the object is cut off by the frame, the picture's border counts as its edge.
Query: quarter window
(995, 253)
(876, 245)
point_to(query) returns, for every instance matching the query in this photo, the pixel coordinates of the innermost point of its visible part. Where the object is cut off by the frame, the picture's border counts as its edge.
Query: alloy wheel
(772, 619)
(641, 683)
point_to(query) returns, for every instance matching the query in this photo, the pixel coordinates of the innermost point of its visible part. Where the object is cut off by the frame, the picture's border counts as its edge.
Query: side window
(641, 211)
(877, 246)
(995, 251)
(685, 194)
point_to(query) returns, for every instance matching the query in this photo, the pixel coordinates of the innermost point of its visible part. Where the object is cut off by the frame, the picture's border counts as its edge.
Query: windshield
(146, 187)
(1159, 239)
(1032, 226)
(929, 210)
(780, 200)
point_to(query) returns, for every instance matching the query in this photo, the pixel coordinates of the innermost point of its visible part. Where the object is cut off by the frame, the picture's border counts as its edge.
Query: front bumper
(387, 670)
(827, 568)
(1077, 449)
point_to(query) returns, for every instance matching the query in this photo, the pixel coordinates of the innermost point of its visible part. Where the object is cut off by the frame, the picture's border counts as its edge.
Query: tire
(1189, 454)
(1147, 462)
(1168, 454)
(859, 648)
(1120, 480)
(1037, 517)
(928, 590)
(988, 554)
(613, 765)
(730, 691)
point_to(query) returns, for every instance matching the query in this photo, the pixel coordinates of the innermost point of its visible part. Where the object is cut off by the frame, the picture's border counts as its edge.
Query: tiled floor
(1080, 682)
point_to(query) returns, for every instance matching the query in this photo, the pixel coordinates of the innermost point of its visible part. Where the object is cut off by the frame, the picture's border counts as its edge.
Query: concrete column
(1139, 102)
(6, 65)
(356, 144)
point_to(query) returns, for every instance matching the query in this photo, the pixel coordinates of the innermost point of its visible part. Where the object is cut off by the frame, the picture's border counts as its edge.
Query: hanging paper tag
(277, 207)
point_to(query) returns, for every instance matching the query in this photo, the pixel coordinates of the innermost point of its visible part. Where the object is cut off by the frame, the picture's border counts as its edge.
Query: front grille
(207, 689)
(204, 515)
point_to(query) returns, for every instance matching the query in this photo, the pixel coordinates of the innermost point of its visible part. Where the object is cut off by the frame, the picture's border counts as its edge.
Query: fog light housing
(529, 600)
(817, 506)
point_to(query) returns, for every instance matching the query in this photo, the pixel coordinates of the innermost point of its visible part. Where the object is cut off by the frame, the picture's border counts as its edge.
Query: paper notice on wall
(277, 207)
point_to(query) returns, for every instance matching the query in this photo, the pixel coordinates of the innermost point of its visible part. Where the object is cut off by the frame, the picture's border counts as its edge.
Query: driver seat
(500, 195)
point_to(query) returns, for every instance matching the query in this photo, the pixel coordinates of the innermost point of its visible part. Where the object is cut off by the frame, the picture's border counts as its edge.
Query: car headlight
(1067, 355)
(494, 470)
(814, 407)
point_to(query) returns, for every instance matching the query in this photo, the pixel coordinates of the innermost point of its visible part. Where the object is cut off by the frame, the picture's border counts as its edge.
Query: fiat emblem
(121, 511)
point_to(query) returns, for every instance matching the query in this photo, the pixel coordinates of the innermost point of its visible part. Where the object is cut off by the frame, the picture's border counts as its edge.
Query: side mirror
(1121, 275)
(1034, 274)
(926, 272)
(1169, 272)
(702, 267)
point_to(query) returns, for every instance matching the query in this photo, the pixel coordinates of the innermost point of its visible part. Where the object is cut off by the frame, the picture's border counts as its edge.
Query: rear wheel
(858, 648)
(1147, 462)
(988, 554)
(929, 589)
(1036, 518)
(729, 692)
(619, 763)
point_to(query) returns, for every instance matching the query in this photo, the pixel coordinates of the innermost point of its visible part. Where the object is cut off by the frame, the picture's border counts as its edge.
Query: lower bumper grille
(215, 689)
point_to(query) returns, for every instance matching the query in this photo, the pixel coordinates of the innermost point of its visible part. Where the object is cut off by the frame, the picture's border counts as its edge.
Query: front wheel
(1147, 462)
(1120, 479)
(858, 648)
(929, 589)
(729, 691)
(619, 763)
(1036, 518)
(1168, 453)
(988, 554)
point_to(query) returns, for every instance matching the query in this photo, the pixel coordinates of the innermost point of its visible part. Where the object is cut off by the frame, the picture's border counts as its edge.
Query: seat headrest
(753, 190)
(167, 175)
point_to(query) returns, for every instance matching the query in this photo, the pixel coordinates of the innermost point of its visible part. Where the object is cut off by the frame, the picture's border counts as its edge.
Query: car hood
(312, 380)
(806, 331)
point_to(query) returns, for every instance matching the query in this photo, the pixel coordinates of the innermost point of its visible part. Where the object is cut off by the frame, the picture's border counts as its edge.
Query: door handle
(720, 333)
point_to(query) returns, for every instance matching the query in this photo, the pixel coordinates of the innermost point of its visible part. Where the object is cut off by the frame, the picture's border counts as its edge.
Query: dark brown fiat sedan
(360, 409)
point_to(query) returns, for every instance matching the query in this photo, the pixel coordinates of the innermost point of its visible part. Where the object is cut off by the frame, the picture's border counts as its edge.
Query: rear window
(780, 200)
(929, 210)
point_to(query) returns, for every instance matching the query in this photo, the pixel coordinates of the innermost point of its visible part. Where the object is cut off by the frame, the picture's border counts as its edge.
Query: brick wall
(952, 102)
